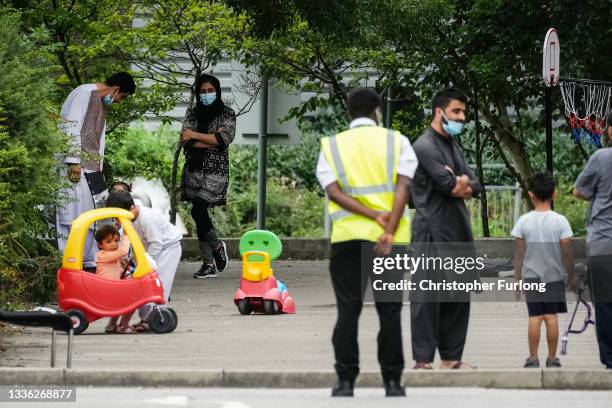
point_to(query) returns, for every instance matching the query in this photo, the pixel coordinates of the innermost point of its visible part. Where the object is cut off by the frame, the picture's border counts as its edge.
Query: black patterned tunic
(206, 170)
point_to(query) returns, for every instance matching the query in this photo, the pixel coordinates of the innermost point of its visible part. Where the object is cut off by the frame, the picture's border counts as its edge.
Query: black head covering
(206, 114)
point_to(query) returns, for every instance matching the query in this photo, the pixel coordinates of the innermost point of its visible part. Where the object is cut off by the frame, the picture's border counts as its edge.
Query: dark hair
(104, 231)
(542, 185)
(444, 96)
(124, 81)
(206, 114)
(120, 183)
(120, 199)
(362, 102)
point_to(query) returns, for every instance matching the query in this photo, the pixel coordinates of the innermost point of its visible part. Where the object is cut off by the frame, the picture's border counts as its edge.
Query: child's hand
(74, 173)
(517, 294)
(572, 284)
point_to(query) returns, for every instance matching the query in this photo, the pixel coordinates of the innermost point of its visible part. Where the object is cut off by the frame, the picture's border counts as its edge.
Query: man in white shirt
(160, 238)
(84, 121)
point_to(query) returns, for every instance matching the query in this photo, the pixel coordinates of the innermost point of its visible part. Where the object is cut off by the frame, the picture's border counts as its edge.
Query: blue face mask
(108, 101)
(451, 127)
(208, 99)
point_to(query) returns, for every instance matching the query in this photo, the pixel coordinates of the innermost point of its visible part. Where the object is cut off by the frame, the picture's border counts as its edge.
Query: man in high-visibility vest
(366, 172)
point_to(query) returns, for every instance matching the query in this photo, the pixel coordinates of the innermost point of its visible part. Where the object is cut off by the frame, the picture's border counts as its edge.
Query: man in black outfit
(442, 182)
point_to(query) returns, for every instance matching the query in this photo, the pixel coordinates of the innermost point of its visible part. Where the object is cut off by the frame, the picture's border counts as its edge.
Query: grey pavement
(212, 335)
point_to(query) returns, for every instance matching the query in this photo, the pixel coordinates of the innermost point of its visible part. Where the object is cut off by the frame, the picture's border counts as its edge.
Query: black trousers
(347, 280)
(603, 328)
(600, 282)
(438, 325)
(207, 236)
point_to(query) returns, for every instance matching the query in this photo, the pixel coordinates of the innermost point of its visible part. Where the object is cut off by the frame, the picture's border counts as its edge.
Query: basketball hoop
(550, 58)
(586, 104)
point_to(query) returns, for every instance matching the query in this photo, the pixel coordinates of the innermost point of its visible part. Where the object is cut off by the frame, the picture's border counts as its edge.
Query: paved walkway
(212, 335)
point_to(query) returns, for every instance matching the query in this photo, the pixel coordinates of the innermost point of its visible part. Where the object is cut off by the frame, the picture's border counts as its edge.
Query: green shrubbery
(294, 200)
(29, 143)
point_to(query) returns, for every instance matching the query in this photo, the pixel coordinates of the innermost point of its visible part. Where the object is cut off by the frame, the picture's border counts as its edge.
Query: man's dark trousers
(347, 280)
(600, 276)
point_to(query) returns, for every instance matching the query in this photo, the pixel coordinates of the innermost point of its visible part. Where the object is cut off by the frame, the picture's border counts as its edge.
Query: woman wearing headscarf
(208, 130)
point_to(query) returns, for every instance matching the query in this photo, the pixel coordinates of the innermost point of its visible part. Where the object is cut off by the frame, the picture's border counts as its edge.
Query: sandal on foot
(462, 365)
(553, 362)
(110, 328)
(141, 326)
(531, 363)
(422, 366)
(126, 330)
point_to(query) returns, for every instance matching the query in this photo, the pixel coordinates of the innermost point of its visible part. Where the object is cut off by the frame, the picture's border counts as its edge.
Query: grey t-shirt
(542, 231)
(595, 183)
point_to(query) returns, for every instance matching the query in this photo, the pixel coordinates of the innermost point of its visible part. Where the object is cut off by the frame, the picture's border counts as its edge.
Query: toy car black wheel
(79, 321)
(271, 307)
(175, 317)
(161, 321)
(244, 307)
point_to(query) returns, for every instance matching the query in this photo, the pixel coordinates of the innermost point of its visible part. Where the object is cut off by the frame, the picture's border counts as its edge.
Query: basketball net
(586, 105)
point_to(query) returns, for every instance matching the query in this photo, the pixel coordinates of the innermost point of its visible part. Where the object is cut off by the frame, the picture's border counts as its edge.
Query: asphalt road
(307, 398)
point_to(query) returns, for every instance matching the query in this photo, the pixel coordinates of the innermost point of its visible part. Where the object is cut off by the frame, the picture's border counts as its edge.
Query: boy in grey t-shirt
(543, 254)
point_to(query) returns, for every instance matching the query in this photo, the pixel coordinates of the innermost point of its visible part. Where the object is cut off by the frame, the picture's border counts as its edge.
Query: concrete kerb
(508, 379)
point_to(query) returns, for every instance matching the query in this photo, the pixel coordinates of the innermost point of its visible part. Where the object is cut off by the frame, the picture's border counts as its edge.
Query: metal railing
(504, 207)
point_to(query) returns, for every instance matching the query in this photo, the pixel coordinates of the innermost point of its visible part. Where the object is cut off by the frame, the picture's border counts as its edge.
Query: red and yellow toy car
(86, 297)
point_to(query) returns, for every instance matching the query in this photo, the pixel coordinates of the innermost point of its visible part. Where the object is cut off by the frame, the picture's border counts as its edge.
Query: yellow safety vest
(364, 160)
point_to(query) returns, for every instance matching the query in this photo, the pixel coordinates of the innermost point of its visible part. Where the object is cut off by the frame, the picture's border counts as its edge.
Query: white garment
(168, 262)
(78, 198)
(155, 232)
(542, 231)
(407, 165)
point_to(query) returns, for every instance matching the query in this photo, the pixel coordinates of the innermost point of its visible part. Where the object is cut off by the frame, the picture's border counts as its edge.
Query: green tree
(492, 49)
(177, 41)
(72, 31)
(29, 142)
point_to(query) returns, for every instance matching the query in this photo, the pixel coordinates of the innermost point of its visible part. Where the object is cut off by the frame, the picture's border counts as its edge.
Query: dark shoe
(393, 388)
(553, 363)
(343, 389)
(206, 271)
(220, 255)
(529, 363)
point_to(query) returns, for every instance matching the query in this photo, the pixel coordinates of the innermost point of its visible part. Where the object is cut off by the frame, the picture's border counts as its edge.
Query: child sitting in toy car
(110, 263)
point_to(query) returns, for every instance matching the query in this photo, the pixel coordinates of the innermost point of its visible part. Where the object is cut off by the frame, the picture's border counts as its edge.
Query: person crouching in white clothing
(161, 240)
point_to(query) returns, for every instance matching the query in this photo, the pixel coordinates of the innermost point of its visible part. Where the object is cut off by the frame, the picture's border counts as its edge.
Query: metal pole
(262, 156)
(549, 146)
(388, 113)
(517, 202)
(69, 350)
(326, 219)
(52, 347)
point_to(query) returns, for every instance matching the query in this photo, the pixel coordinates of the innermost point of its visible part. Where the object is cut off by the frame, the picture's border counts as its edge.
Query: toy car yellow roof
(73, 253)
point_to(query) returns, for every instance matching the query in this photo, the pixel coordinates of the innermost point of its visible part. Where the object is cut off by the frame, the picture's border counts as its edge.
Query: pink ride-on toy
(259, 290)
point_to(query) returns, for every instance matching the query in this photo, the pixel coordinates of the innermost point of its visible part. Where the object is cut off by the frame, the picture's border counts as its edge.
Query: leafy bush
(291, 211)
(29, 143)
(138, 152)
